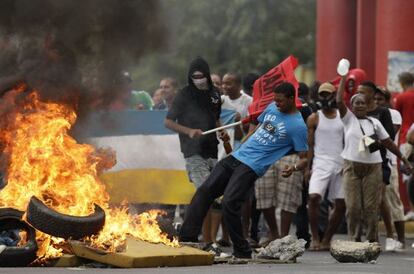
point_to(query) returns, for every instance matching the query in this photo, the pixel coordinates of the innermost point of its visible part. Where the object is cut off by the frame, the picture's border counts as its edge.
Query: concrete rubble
(285, 249)
(354, 252)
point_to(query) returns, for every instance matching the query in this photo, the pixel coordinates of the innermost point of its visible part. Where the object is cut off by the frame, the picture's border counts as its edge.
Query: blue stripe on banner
(131, 122)
(227, 116)
(120, 123)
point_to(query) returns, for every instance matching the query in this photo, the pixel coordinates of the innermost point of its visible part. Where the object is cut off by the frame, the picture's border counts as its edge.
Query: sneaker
(409, 216)
(213, 248)
(390, 244)
(242, 255)
(224, 255)
(398, 246)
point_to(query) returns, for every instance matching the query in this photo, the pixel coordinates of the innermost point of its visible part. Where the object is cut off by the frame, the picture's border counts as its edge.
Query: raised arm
(340, 97)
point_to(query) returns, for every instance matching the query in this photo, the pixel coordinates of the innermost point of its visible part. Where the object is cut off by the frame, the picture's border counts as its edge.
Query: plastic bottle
(343, 67)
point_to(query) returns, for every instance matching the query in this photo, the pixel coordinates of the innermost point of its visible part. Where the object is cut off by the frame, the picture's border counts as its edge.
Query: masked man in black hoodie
(196, 108)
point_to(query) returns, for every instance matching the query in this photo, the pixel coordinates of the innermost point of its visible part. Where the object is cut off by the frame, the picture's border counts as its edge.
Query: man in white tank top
(325, 136)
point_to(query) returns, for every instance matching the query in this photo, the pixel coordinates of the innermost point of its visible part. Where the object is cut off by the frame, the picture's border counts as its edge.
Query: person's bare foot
(314, 246)
(324, 246)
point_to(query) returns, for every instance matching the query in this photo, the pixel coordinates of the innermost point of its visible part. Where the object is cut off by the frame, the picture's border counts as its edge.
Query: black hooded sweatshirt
(198, 109)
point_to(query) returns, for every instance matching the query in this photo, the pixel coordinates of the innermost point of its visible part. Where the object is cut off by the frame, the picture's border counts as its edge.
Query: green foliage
(233, 35)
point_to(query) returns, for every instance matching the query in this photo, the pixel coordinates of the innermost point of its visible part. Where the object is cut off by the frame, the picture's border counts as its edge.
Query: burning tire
(15, 256)
(61, 225)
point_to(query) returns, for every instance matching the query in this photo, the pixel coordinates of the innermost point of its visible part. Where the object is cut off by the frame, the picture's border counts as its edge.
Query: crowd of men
(342, 154)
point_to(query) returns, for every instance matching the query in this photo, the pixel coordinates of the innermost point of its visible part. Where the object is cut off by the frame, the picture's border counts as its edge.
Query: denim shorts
(199, 168)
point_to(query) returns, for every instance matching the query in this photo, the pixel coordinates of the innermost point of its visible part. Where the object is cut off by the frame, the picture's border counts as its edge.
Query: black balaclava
(199, 64)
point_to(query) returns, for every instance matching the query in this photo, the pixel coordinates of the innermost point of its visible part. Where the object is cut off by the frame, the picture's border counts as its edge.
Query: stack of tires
(48, 221)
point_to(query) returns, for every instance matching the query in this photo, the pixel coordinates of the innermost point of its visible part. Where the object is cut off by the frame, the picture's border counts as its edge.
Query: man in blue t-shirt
(281, 131)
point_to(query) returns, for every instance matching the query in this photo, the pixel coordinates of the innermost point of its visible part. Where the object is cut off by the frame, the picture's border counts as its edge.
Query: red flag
(263, 87)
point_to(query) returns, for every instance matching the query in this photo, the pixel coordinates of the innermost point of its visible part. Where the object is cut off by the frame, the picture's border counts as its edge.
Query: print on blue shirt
(278, 135)
(269, 133)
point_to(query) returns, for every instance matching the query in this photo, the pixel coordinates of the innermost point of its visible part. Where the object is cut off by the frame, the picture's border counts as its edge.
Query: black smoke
(76, 48)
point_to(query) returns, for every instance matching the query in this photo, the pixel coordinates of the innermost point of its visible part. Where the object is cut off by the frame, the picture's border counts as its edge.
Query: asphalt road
(310, 262)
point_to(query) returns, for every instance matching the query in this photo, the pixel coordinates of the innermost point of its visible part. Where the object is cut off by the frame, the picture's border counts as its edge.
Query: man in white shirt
(392, 195)
(233, 99)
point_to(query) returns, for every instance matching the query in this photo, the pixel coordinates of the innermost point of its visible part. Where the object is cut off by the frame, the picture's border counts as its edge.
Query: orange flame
(44, 161)
(23, 238)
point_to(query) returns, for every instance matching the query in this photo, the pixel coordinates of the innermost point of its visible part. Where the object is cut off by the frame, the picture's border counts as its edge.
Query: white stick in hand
(220, 128)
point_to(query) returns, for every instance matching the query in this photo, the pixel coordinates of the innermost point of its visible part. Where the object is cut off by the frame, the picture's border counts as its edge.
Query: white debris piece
(354, 252)
(285, 249)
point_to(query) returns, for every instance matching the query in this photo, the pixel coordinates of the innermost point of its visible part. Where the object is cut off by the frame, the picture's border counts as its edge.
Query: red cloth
(358, 76)
(404, 103)
(263, 87)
